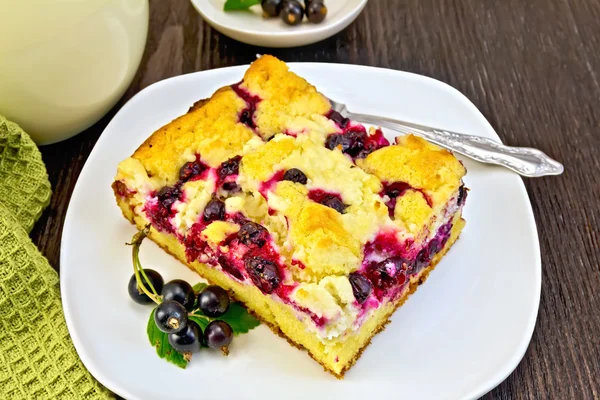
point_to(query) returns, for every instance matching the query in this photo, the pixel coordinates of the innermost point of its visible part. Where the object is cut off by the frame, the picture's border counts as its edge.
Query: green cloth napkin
(37, 357)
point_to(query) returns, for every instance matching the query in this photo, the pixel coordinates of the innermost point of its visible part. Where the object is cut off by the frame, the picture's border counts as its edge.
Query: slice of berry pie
(320, 227)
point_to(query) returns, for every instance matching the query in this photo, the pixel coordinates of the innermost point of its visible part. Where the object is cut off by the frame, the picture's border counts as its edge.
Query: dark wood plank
(532, 68)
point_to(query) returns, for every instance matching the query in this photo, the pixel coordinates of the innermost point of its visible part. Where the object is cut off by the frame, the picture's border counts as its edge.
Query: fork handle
(523, 160)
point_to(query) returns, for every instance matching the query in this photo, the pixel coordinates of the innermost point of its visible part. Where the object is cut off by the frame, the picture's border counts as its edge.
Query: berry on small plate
(279, 23)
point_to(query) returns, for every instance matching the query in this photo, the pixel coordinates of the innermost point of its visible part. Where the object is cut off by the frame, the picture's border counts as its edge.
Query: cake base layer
(335, 356)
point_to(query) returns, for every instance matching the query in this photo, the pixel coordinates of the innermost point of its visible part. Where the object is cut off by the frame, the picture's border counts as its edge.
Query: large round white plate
(457, 337)
(251, 28)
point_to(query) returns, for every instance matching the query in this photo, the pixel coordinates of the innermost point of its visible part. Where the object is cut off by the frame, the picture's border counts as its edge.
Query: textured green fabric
(37, 357)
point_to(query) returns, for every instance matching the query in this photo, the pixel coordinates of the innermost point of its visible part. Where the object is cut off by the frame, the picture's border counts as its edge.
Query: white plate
(251, 28)
(457, 337)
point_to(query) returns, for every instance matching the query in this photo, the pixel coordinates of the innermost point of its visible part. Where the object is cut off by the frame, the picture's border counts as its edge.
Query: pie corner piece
(321, 227)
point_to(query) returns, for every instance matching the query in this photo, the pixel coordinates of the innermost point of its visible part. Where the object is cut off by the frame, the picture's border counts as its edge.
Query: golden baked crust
(343, 222)
(287, 100)
(212, 127)
(420, 164)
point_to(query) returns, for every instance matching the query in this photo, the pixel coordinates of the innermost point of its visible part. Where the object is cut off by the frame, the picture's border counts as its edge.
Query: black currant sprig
(186, 318)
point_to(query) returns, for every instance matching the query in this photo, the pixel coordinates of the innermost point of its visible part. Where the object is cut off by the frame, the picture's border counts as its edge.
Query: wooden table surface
(533, 69)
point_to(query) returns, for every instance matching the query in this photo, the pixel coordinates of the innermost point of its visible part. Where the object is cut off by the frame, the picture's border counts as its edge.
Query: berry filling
(267, 185)
(195, 244)
(298, 263)
(264, 273)
(394, 190)
(161, 211)
(229, 167)
(355, 141)
(193, 170)
(246, 116)
(250, 255)
(351, 143)
(433, 247)
(332, 200)
(462, 195)
(227, 175)
(230, 268)
(388, 268)
(386, 274)
(377, 140)
(231, 187)
(338, 118)
(122, 190)
(319, 321)
(252, 234)
(289, 132)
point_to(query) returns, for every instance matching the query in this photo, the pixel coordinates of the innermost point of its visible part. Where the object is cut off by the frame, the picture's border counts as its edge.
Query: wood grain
(532, 68)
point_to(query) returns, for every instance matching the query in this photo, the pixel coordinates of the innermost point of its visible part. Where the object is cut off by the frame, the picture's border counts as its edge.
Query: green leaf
(234, 5)
(198, 287)
(239, 319)
(160, 341)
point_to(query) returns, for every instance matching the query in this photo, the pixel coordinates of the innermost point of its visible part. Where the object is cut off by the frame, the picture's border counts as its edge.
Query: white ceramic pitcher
(65, 63)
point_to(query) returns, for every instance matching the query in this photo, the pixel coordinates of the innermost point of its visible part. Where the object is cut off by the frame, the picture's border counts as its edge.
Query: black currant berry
(246, 118)
(137, 294)
(295, 175)
(292, 12)
(189, 170)
(462, 192)
(180, 291)
(264, 273)
(335, 203)
(170, 317)
(230, 167)
(352, 143)
(218, 335)
(393, 190)
(213, 301)
(168, 195)
(252, 234)
(272, 8)
(315, 11)
(214, 211)
(188, 340)
(231, 187)
(338, 118)
(389, 272)
(361, 286)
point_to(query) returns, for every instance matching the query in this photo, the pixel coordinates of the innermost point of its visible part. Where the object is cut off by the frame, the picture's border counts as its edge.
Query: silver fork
(523, 160)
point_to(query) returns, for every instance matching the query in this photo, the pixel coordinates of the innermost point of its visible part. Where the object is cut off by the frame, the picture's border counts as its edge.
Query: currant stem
(199, 316)
(138, 265)
(136, 241)
(148, 281)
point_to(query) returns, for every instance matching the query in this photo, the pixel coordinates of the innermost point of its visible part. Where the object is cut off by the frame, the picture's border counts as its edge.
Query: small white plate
(251, 28)
(457, 337)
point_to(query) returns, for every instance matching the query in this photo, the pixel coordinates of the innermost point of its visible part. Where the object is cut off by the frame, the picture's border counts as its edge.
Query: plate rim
(297, 37)
(484, 387)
